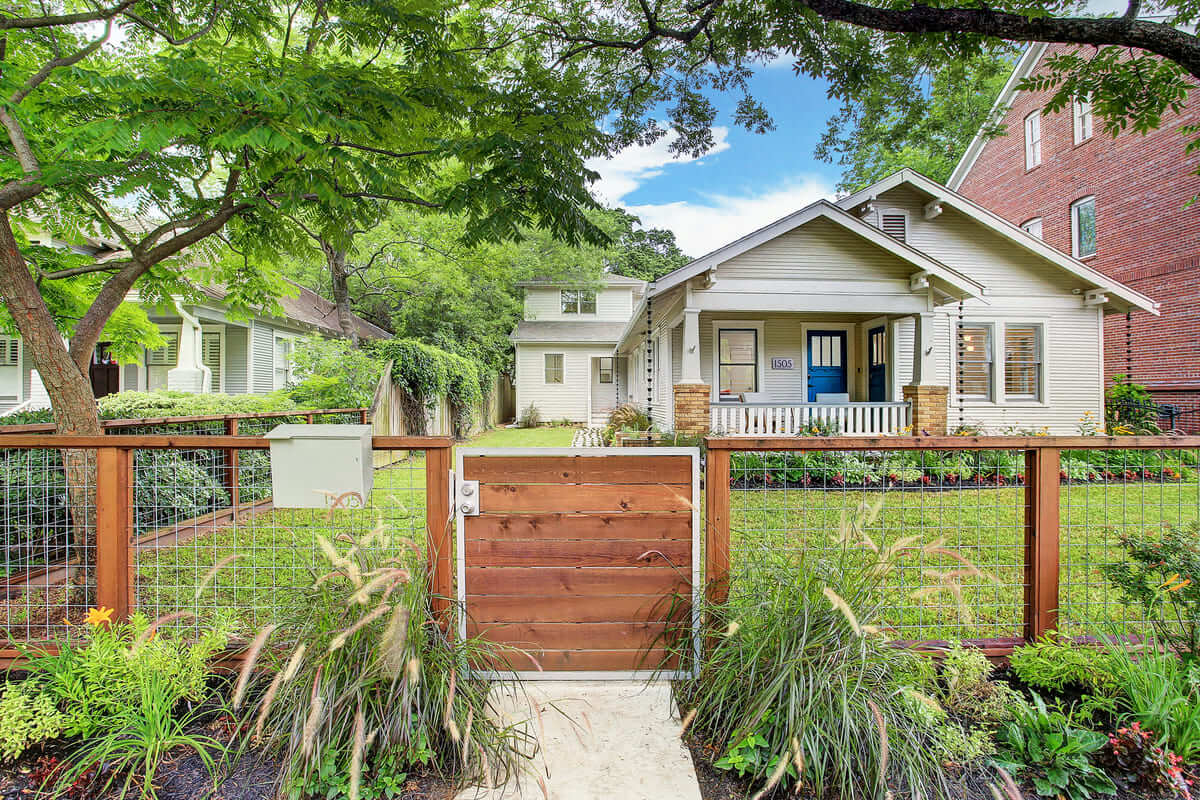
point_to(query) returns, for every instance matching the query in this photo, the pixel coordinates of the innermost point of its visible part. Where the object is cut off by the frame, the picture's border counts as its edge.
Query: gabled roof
(1024, 68)
(999, 225)
(309, 310)
(567, 332)
(607, 279)
(821, 209)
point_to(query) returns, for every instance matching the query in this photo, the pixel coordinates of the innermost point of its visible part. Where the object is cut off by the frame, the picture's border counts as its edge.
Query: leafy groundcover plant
(798, 683)
(129, 692)
(1045, 746)
(364, 684)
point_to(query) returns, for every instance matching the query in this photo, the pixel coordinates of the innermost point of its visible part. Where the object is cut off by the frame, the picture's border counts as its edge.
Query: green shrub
(1053, 664)
(1043, 745)
(34, 511)
(425, 373)
(1130, 408)
(1162, 693)
(174, 485)
(139, 405)
(29, 717)
(797, 674)
(333, 373)
(1161, 574)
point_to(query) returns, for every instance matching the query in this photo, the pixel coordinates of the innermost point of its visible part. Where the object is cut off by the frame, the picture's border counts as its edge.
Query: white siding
(819, 250)
(568, 400)
(262, 344)
(612, 304)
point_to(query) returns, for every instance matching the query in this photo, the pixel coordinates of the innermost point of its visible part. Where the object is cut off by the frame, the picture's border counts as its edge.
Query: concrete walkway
(599, 741)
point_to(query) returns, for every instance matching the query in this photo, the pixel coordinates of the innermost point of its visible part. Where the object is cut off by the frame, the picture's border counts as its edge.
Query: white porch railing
(850, 419)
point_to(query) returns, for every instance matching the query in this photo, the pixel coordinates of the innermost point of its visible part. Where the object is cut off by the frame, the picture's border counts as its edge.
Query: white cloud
(622, 174)
(718, 219)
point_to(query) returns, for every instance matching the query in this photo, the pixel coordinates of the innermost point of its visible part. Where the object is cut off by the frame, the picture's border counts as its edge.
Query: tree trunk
(336, 260)
(70, 393)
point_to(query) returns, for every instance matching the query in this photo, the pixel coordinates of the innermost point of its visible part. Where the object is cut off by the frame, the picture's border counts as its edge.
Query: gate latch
(467, 498)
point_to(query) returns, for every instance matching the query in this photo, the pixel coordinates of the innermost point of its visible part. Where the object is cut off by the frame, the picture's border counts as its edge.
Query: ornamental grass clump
(798, 682)
(364, 684)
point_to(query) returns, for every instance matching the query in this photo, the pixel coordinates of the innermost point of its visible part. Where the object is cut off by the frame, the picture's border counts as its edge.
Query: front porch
(792, 373)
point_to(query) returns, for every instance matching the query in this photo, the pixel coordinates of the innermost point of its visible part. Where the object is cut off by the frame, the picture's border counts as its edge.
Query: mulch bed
(183, 777)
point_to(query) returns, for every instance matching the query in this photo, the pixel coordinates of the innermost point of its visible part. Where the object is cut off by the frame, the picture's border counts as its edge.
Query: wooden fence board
(573, 635)
(608, 469)
(498, 497)
(589, 608)
(586, 660)
(606, 553)
(542, 581)
(669, 525)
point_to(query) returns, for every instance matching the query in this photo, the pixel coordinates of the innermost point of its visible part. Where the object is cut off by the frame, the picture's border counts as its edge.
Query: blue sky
(746, 181)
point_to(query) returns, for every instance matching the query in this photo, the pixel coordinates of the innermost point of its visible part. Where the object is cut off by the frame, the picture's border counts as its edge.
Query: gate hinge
(466, 497)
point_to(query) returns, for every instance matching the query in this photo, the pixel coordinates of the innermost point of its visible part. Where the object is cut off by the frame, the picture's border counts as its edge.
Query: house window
(283, 362)
(606, 370)
(553, 366)
(1022, 361)
(578, 301)
(1083, 227)
(210, 356)
(975, 361)
(1033, 140)
(894, 224)
(10, 352)
(738, 361)
(878, 351)
(1033, 226)
(1082, 111)
(160, 361)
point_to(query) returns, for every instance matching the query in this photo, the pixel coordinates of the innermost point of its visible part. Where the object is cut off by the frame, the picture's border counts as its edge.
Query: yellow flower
(98, 616)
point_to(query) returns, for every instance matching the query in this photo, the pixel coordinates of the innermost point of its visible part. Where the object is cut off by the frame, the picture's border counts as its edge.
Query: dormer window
(895, 224)
(578, 301)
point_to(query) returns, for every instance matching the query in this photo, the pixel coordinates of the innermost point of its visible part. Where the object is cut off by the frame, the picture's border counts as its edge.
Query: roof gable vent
(894, 224)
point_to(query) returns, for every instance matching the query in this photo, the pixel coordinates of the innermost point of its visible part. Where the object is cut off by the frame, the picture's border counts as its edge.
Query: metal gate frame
(470, 499)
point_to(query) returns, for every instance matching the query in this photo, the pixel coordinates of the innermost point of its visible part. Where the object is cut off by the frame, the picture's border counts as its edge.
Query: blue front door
(877, 365)
(826, 363)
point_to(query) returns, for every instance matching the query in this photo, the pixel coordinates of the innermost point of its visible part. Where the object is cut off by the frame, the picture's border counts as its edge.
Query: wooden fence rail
(1042, 487)
(230, 420)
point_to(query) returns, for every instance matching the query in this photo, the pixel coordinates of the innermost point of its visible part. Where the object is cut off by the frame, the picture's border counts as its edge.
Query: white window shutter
(167, 356)
(210, 354)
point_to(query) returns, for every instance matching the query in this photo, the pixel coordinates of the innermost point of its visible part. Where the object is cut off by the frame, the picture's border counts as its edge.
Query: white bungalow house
(904, 305)
(207, 350)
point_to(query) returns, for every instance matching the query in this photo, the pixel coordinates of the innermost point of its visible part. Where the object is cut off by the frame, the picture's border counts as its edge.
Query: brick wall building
(1145, 234)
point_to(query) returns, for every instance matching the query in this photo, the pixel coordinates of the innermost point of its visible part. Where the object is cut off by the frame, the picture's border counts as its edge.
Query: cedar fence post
(114, 528)
(439, 525)
(1042, 488)
(716, 526)
(231, 466)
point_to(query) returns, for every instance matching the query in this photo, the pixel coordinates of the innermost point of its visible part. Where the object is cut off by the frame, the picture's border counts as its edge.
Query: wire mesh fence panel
(48, 522)
(256, 565)
(1108, 494)
(947, 534)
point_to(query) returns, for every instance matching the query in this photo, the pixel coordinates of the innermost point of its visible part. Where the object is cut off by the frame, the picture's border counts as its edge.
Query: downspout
(191, 354)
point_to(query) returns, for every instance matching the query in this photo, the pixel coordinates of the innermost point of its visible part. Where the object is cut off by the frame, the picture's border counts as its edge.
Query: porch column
(927, 400)
(190, 374)
(691, 394)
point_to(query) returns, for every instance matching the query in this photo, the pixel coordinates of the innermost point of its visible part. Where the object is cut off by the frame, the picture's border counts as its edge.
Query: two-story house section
(565, 364)
(1120, 205)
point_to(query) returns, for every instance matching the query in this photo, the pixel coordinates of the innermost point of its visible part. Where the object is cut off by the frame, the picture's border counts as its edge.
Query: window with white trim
(974, 361)
(1022, 361)
(737, 363)
(1033, 226)
(282, 362)
(1082, 113)
(1083, 227)
(1033, 139)
(895, 224)
(160, 361)
(578, 301)
(606, 369)
(553, 367)
(10, 352)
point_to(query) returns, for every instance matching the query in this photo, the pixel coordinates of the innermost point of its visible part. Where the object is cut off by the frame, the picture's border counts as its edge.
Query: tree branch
(65, 61)
(58, 20)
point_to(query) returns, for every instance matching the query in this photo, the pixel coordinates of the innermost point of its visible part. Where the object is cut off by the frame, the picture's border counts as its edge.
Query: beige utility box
(312, 465)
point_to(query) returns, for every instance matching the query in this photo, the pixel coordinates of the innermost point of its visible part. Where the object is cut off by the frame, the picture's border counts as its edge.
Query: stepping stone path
(588, 437)
(610, 740)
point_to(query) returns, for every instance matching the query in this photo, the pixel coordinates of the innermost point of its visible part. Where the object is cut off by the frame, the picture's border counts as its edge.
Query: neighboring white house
(565, 363)
(902, 303)
(206, 351)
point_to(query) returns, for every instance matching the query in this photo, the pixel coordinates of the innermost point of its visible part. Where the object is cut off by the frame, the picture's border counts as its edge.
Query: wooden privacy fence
(109, 560)
(1037, 516)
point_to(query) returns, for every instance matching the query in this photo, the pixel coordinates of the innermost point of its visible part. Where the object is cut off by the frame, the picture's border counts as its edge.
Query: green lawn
(278, 553)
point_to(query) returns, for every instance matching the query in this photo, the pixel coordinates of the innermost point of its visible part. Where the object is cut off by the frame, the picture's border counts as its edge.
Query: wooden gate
(583, 560)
